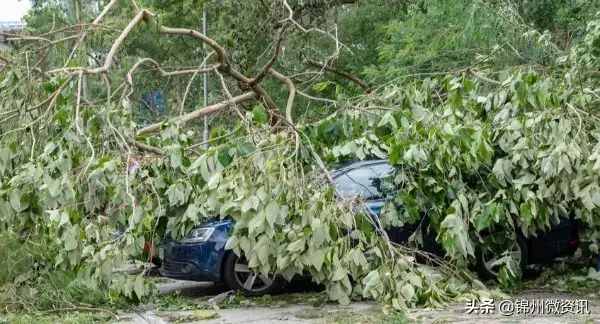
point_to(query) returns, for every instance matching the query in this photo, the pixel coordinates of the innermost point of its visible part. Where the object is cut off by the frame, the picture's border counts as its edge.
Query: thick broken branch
(199, 113)
(346, 75)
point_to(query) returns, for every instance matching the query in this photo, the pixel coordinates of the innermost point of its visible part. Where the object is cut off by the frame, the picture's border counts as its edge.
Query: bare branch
(78, 26)
(9, 62)
(304, 30)
(134, 6)
(347, 75)
(162, 72)
(103, 13)
(225, 67)
(113, 50)
(147, 147)
(199, 113)
(189, 85)
(230, 97)
(272, 60)
(221, 53)
(329, 101)
(290, 103)
(15, 37)
(483, 78)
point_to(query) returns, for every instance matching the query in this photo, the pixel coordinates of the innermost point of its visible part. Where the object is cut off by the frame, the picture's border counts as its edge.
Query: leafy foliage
(477, 152)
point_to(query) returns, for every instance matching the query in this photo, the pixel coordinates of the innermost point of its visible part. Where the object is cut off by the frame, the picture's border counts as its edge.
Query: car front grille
(177, 267)
(167, 266)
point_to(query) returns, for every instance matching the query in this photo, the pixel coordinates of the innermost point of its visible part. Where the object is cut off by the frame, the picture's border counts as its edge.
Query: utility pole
(206, 131)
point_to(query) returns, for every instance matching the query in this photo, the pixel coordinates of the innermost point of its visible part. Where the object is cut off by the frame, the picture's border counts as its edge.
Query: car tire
(483, 265)
(157, 262)
(237, 276)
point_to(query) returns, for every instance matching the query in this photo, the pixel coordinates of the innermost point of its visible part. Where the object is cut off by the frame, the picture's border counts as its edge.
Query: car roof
(355, 165)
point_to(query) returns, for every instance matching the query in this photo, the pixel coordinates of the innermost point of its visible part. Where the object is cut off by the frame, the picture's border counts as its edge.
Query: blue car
(201, 256)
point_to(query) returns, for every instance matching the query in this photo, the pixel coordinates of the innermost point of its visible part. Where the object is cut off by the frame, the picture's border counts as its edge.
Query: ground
(304, 302)
(302, 305)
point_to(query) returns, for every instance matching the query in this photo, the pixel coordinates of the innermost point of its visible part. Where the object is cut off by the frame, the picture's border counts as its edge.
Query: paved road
(294, 314)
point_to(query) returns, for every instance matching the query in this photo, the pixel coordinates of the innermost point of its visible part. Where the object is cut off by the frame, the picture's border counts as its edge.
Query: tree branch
(146, 147)
(113, 50)
(346, 75)
(134, 6)
(129, 79)
(14, 37)
(199, 113)
(272, 60)
(329, 101)
(106, 9)
(483, 78)
(290, 103)
(224, 67)
(9, 62)
(221, 53)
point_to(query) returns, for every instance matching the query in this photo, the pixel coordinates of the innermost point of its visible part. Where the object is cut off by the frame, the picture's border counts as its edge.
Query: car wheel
(485, 259)
(238, 276)
(157, 262)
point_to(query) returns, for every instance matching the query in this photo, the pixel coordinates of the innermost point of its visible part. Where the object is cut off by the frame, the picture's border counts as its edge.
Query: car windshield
(364, 181)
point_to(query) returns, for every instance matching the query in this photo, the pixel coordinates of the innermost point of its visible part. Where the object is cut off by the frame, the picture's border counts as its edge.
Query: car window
(363, 181)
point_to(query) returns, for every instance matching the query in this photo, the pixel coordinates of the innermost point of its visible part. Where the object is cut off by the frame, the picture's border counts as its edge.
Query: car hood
(214, 221)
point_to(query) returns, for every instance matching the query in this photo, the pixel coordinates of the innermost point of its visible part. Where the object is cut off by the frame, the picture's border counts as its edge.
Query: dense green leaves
(475, 150)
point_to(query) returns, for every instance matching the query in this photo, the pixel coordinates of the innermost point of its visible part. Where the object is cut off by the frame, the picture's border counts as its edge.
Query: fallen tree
(471, 151)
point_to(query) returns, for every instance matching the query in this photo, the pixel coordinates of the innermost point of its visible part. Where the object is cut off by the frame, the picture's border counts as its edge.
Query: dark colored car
(201, 256)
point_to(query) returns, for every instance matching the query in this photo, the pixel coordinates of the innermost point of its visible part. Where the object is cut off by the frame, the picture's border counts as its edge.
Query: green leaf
(317, 258)
(64, 219)
(408, 291)
(296, 246)
(259, 115)
(15, 200)
(70, 242)
(138, 286)
(388, 119)
(232, 242)
(256, 221)
(246, 148)
(320, 87)
(339, 274)
(204, 315)
(246, 204)
(272, 211)
(448, 129)
(483, 221)
(224, 157)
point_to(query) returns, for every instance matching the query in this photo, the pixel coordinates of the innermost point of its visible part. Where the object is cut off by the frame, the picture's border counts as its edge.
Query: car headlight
(199, 235)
